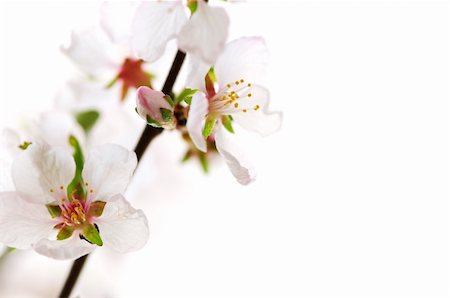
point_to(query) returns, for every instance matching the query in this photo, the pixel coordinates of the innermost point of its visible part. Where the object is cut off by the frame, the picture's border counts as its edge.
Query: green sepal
(186, 96)
(24, 145)
(186, 156)
(96, 209)
(212, 74)
(203, 161)
(192, 5)
(76, 187)
(91, 234)
(228, 123)
(166, 114)
(87, 119)
(169, 101)
(152, 122)
(65, 232)
(209, 126)
(54, 210)
(112, 82)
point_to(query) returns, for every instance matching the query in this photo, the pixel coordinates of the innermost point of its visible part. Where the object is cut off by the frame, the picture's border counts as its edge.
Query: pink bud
(154, 107)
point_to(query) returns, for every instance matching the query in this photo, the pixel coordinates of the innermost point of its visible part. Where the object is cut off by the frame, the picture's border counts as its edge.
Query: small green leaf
(76, 187)
(209, 126)
(54, 210)
(65, 233)
(152, 122)
(91, 234)
(24, 145)
(169, 101)
(87, 119)
(203, 161)
(228, 123)
(186, 96)
(96, 209)
(166, 114)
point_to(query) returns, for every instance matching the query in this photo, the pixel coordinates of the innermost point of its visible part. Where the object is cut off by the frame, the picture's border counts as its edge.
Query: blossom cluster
(64, 205)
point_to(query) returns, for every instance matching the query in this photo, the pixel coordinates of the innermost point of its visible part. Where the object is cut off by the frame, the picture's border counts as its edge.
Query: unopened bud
(155, 107)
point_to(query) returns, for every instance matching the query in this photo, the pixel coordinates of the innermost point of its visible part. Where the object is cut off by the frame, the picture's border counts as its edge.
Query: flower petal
(22, 223)
(9, 149)
(69, 249)
(110, 13)
(154, 24)
(92, 52)
(197, 113)
(237, 162)
(205, 34)
(197, 72)
(245, 58)
(108, 170)
(123, 228)
(257, 118)
(42, 173)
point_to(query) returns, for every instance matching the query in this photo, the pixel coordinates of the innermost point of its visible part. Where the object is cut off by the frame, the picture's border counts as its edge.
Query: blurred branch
(147, 136)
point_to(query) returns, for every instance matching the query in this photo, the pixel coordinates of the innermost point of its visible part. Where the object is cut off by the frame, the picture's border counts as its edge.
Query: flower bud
(155, 107)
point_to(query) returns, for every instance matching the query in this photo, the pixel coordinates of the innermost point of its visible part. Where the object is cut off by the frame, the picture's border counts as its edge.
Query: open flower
(237, 96)
(83, 212)
(104, 53)
(155, 23)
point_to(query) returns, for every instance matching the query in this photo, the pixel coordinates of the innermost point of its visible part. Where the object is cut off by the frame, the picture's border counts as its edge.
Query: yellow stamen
(236, 104)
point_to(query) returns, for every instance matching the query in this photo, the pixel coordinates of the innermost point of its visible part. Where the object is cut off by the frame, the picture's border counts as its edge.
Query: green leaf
(209, 126)
(203, 161)
(96, 209)
(169, 101)
(76, 187)
(186, 96)
(54, 210)
(65, 233)
(87, 119)
(228, 123)
(152, 122)
(91, 234)
(24, 145)
(166, 114)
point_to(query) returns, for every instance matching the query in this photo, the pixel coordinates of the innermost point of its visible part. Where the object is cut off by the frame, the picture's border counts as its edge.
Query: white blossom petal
(257, 118)
(92, 52)
(22, 223)
(42, 173)
(68, 249)
(197, 72)
(237, 162)
(205, 34)
(149, 102)
(122, 228)
(116, 19)
(245, 58)
(154, 24)
(108, 170)
(196, 118)
(9, 149)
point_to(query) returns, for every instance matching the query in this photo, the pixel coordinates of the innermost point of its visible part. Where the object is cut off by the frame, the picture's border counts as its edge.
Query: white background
(352, 193)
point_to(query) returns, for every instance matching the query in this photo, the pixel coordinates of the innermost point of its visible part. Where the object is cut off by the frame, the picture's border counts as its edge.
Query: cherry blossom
(238, 96)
